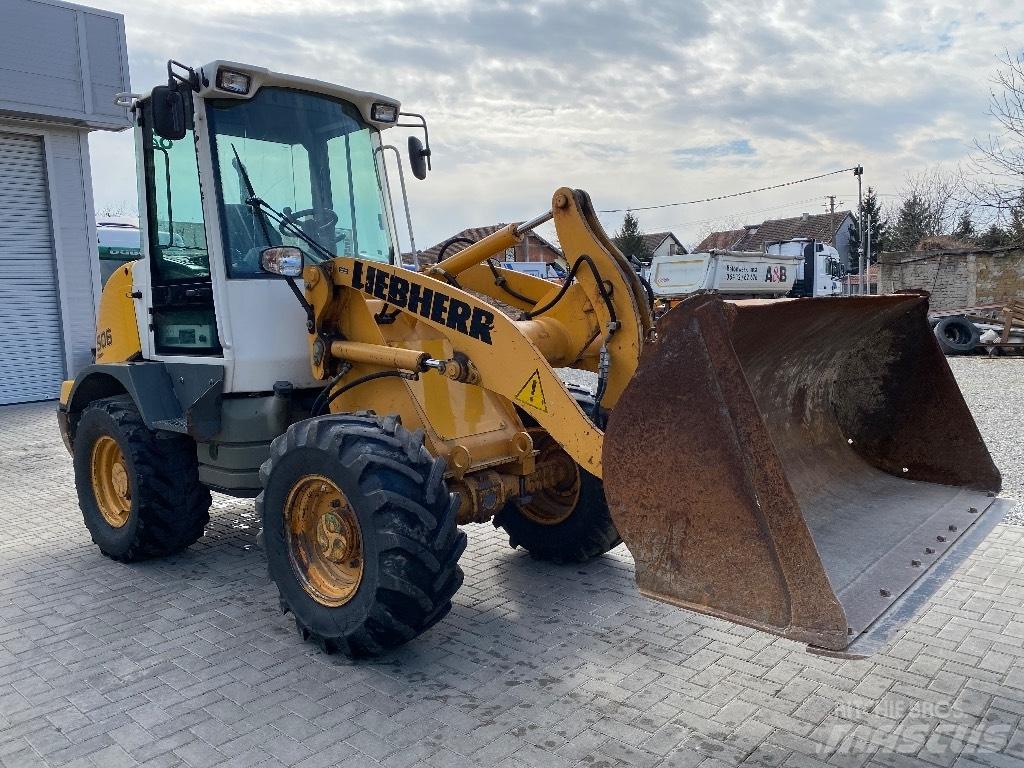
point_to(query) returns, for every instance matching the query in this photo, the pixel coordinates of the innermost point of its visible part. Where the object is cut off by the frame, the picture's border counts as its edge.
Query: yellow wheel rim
(110, 483)
(325, 545)
(557, 501)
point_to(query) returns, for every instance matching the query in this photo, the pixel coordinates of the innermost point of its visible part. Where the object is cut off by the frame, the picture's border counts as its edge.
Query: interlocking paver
(187, 661)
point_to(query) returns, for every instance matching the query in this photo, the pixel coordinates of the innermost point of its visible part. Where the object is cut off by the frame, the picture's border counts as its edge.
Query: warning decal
(532, 394)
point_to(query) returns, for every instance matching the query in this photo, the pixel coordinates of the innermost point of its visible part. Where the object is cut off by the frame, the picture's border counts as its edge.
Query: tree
(942, 191)
(999, 159)
(119, 208)
(879, 228)
(913, 222)
(994, 237)
(965, 229)
(1015, 230)
(630, 240)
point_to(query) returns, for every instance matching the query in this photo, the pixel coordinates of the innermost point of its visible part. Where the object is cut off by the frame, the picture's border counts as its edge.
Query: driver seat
(245, 239)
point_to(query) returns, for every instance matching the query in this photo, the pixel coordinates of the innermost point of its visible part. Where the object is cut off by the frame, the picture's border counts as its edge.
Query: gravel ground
(994, 390)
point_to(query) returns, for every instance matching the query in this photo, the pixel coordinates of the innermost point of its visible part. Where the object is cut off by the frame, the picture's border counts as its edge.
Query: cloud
(638, 102)
(690, 157)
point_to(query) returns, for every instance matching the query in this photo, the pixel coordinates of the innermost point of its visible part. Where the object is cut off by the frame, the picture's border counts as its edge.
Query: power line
(736, 214)
(725, 197)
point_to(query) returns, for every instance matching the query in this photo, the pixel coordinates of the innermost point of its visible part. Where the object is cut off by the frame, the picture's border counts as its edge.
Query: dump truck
(807, 467)
(800, 267)
(734, 274)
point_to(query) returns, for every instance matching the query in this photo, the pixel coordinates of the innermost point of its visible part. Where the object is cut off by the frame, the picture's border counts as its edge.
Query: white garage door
(31, 348)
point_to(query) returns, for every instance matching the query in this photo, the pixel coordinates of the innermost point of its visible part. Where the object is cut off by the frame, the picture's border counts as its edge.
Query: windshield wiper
(264, 224)
(262, 208)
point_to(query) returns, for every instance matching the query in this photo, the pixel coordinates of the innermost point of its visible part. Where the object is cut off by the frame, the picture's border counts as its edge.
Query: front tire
(360, 532)
(139, 490)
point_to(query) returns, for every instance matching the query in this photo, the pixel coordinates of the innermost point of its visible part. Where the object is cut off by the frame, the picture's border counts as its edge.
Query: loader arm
(603, 308)
(501, 356)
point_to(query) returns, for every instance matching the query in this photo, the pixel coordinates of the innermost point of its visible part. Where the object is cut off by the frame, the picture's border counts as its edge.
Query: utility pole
(859, 173)
(832, 216)
(867, 253)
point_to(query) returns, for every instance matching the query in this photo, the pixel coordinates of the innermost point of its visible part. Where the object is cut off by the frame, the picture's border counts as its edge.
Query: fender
(173, 397)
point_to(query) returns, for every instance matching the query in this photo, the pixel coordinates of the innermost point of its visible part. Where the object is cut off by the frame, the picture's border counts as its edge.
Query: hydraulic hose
(363, 380)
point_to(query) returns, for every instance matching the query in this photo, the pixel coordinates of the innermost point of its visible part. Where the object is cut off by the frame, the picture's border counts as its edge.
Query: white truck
(821, 271)
(800, 267)
(545, 270)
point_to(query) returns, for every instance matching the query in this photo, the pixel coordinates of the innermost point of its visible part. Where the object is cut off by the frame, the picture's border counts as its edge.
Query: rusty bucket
(807, 467)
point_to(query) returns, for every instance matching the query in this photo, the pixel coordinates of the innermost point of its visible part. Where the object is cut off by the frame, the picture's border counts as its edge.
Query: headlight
(235, 82)
(384, 113)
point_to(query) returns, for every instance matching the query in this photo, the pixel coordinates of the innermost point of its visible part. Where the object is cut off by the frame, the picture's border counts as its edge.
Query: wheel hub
(334, 538)
(324, 540)
(110, 483)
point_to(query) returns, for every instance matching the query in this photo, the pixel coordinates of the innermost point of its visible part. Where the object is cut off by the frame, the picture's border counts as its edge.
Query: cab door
(182, 316)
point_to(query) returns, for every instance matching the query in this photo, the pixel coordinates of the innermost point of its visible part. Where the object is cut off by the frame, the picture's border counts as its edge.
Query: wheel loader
(807, 467)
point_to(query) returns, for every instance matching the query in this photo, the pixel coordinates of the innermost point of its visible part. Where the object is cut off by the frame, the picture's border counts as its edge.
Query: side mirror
(284, 260)
(168, 113)
(418, 158)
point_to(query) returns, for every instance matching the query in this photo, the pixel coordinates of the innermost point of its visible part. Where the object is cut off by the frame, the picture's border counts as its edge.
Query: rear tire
(395, 568)
(585, 532)
(957, 335)
(139, 490)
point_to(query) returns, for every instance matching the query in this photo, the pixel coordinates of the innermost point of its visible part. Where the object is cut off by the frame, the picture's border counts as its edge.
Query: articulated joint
(483, 494)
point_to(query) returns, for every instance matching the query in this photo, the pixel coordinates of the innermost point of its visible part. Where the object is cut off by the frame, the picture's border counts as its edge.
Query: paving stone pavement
(187, 661)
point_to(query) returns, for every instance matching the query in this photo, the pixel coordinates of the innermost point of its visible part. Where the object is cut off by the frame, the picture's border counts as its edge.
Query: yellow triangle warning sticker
(532, 393)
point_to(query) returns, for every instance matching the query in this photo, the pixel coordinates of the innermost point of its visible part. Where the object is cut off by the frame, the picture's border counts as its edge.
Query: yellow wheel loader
(807, 467)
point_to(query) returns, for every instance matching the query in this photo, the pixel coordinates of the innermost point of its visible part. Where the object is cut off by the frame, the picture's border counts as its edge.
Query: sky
(639, 103)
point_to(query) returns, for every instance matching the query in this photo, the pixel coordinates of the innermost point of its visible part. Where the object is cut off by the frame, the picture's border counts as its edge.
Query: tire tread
(174, 507)
(414, 518)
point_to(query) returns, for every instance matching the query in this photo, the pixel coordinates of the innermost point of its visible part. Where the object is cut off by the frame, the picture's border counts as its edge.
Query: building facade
(61, 66)
(663, 244)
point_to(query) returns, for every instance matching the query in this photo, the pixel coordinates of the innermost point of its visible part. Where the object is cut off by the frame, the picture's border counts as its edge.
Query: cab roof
(261, 76)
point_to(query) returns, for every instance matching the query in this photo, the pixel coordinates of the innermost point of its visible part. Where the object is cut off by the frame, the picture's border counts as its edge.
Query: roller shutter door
(31, 344)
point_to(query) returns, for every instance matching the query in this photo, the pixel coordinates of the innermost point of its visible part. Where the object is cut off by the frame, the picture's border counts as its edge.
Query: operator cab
(236, 159)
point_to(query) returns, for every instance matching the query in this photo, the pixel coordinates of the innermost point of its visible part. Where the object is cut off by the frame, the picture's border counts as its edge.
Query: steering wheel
(315, 222)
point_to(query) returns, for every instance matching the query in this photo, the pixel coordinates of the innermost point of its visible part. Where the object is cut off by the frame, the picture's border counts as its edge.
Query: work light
(235, 82)
(384, 113)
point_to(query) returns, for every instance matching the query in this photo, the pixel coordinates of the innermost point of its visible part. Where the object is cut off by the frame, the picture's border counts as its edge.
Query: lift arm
(600, 317)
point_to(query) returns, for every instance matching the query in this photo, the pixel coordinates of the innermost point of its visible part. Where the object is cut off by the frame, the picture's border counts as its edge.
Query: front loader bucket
(806, 467)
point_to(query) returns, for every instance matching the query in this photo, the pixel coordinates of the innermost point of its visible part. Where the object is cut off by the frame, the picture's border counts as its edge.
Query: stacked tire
(957, 335)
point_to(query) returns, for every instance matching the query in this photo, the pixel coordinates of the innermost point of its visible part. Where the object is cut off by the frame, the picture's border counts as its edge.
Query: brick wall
(956, 278)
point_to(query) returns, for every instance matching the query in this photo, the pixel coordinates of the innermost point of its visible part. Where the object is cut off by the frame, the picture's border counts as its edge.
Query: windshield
(309, 156)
